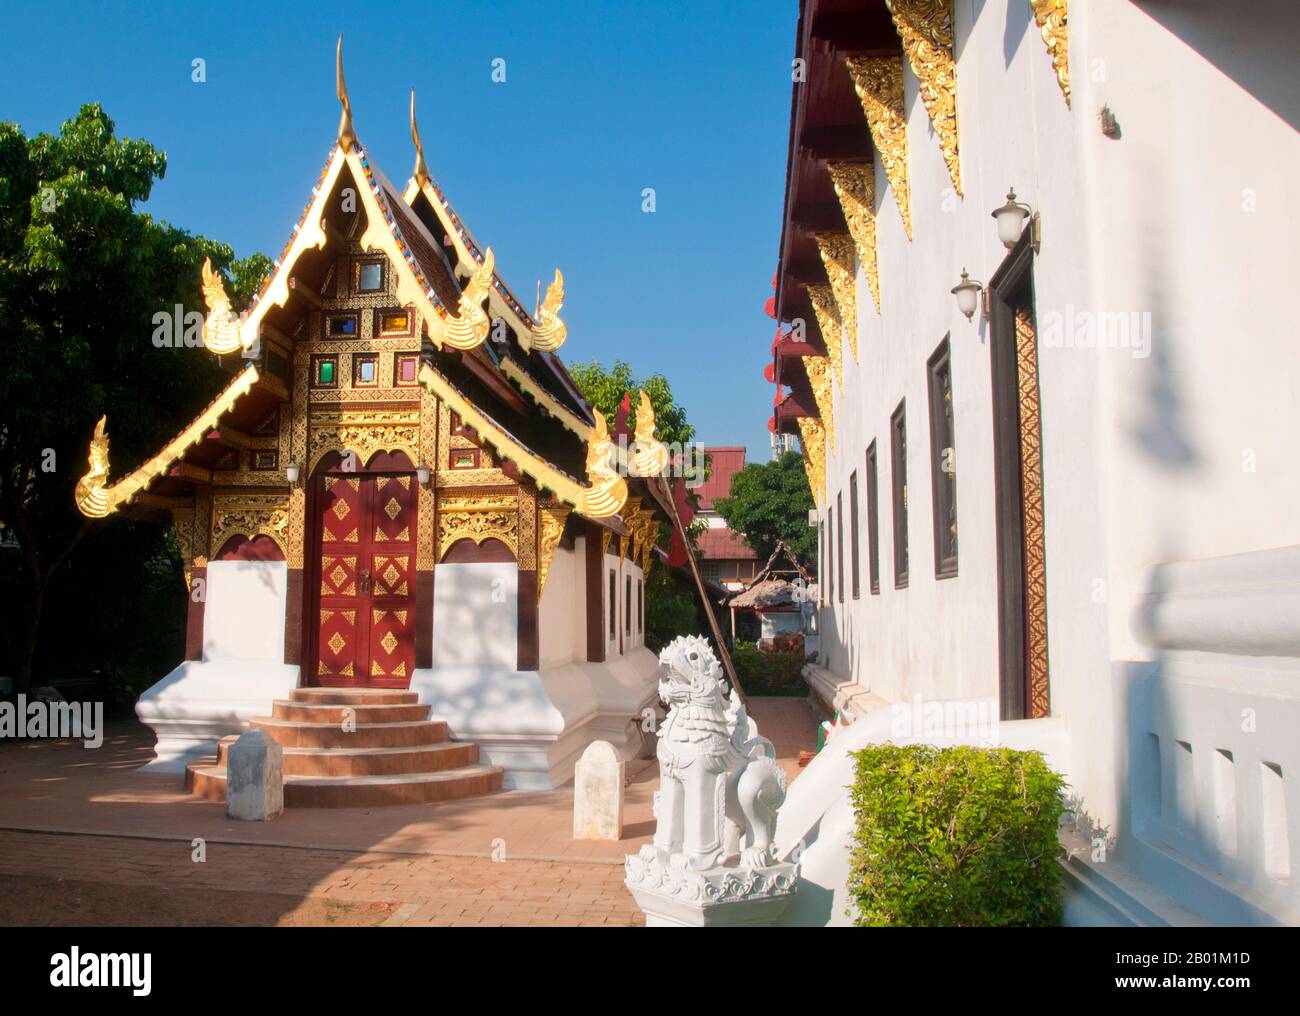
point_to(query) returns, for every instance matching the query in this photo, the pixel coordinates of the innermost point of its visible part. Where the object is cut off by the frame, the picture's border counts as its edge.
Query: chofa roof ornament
(421, 170)
(550, 333)
(347, 136)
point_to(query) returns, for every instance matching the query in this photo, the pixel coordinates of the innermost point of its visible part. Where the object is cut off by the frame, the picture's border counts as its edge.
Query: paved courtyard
(85, 838)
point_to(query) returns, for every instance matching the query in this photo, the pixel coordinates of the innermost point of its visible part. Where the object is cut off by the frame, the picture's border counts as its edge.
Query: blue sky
(601, 100)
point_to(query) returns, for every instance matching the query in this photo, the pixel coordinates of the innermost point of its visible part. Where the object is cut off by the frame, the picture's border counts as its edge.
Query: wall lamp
(967, 293)
(1011, 222)
(422, 475)
(291, 472)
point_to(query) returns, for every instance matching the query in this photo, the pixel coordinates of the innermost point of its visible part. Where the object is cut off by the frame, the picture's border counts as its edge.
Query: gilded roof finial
(347, 136)
(550, 332)
(421, 171)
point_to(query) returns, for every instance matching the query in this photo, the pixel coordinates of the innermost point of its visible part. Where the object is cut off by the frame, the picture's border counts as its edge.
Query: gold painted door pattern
(366, 597)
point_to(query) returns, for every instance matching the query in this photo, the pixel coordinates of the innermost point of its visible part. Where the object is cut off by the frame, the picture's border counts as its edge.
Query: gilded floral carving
(551, 530)
(925, 27)
(828, 320)
(836, 250)
(878, 80)
(819, 379)
(812, 437)
(250, 515)
(1054, 26)
(855, 186)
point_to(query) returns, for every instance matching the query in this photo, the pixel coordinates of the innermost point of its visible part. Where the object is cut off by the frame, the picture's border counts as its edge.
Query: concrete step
(314, 712)
(354, 696)
(208, 780)
(303, 734)
(369, 761)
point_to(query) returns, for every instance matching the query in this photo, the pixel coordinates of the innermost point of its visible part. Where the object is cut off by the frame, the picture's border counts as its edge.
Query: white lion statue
(719, 783)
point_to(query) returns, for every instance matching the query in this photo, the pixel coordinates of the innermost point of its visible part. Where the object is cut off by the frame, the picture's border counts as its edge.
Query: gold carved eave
(855, 186)
(600, 498)
(819, 380)
(1053, 21)
(925, 28)
(250, 516)
(95, 499)
(878, 80)
(828, 320)
(812, 437)
(478, 517)
(551, 529)
(837, 251)
(365, 432)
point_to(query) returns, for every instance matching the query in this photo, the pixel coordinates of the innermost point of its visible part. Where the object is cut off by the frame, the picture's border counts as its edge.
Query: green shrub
(955, 837)
(768, 673)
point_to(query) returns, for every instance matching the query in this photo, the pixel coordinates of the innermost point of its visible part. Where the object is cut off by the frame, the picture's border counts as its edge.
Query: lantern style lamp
(422, 474)
(291, 472)
(1011, 222)
(967, 293)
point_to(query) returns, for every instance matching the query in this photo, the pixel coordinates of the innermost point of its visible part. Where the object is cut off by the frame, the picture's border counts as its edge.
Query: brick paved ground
(78, 879)
(85, 839)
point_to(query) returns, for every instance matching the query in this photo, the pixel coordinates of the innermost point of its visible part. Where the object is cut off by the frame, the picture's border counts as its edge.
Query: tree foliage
(770, 501)
(82, 273)
(604, 387)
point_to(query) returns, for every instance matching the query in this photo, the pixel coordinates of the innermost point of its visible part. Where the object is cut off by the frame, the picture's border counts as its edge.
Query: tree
(82, 275)
(670, 611)
(770, 501)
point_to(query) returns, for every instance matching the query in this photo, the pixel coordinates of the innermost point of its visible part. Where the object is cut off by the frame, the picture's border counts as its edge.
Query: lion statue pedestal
(711, 862)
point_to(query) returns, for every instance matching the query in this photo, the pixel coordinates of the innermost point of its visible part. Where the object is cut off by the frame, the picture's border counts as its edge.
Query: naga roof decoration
(453, 317)
(543, 330)
(651, 455)
(544, 398)
(95, 499)
(601, 498)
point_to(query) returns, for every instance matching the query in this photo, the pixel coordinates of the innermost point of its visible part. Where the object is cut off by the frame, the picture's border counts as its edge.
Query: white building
(1081, 503)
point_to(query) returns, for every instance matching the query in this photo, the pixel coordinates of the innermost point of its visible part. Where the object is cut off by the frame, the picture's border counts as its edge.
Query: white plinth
(720, 897)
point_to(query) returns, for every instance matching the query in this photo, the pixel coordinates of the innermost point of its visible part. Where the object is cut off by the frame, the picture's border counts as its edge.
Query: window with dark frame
(640, 606)
(830, 554)
(627, 606)
(898, 482)
(873, 520)
(370, 276)
(613, 604)
(943, 465)
(821, 561)
(853, 536)
(839, 540)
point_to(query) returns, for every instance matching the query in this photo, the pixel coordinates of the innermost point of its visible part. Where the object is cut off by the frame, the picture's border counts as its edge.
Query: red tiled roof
(724, 545)
(726, 462)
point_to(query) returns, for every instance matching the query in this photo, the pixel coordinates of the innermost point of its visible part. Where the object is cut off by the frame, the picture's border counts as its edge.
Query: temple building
(1035, 301)
(400, 509)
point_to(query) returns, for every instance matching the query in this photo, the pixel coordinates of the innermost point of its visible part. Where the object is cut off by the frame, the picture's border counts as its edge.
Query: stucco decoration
(1053, 24)
(812, 437)
(925, 27)
(855, 186)
(720, 790)
(818, 369)
(828, 320)
(878, 80)
(836, 250)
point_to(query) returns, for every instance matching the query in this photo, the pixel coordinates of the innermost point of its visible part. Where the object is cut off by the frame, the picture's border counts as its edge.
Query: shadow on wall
(1253, 44)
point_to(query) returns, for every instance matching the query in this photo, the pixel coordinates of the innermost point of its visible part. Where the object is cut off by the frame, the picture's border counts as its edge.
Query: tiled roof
(726, 461)
(723, 545)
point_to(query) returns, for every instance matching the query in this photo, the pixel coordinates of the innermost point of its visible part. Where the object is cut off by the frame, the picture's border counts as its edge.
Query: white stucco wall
(561, 617)
(1177, 454)
(475, 615)
(243, 617)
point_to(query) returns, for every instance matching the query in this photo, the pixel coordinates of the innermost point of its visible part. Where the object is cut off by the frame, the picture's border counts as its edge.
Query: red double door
(365, 539)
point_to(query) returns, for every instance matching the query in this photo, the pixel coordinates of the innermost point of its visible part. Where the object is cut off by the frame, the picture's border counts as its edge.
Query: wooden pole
(727, 665)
